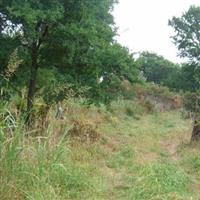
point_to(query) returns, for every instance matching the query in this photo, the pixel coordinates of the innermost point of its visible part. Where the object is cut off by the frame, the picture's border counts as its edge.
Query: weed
(84, 132)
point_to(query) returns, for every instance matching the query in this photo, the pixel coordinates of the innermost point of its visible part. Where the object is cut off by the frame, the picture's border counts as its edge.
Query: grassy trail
(149, 158)
(153, 160)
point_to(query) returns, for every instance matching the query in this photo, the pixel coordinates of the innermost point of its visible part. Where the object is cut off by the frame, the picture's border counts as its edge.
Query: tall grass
(39, 167)
(159, 181)
(129, 160)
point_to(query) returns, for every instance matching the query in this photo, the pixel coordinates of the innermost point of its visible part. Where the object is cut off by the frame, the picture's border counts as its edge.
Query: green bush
(122, 108)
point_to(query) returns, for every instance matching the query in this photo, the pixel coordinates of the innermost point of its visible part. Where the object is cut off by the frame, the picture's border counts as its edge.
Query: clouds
(143, 24)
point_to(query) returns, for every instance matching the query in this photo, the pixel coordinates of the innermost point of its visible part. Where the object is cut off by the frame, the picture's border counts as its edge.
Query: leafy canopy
(187, 34)
(187, 39)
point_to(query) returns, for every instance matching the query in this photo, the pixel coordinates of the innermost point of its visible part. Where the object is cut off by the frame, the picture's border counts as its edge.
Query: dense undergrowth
(125, 152)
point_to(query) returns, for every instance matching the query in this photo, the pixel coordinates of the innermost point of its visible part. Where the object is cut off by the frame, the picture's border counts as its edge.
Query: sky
(143, 25)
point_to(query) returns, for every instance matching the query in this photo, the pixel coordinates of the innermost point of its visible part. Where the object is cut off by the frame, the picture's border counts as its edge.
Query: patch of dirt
(171, 147)
(147, 157)
(112, 144)
(172, 144)
(196, 186)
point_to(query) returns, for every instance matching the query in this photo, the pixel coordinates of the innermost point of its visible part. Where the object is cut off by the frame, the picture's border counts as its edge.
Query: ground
(149, 157)
(145, 160)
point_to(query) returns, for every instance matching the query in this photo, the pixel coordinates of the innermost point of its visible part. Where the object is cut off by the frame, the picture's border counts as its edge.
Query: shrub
(123, 108)
(83, 132)
(191, 102)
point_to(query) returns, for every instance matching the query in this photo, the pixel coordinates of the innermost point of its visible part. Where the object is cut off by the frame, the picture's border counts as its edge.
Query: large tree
(187, 39)
(32, 22)
(62, 33)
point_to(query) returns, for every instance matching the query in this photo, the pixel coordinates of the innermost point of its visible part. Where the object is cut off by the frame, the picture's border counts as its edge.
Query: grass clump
(195, 163)
(123, 158)
(123, 108)
(191, 159)
(159, 181)
(84, 132)
(35, 168)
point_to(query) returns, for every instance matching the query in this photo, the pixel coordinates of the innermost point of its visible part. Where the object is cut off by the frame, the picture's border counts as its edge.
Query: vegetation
(187, 39)
(80, 118)
(159, 70)
(57, 35)
(132, 158)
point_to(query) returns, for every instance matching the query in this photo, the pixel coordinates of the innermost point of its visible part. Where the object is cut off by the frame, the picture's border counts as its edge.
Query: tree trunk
(196, 130)
(32, 83)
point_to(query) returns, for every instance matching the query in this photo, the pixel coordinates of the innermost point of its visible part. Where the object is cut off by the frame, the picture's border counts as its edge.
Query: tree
(116, 65)
(187, 34)
(159, 70)
(187, 39)
(188, 76)
(63, 34)
(32, 22)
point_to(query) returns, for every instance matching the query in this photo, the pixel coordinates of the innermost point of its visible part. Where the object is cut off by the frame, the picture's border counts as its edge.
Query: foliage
(192, 102)
(187, 34)
(187, 40)
(157, 69)
(9, 45)
(72, 40)
(189, 77)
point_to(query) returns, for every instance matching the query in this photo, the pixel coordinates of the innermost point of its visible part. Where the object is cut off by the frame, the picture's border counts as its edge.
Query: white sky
(143, 24)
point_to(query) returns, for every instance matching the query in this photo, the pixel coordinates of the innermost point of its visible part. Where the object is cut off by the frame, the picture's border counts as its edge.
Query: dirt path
(171, 147)
(172, 144)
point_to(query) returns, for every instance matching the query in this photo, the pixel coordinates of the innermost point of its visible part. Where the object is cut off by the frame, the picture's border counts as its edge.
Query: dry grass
(112, 156)
(84, 132)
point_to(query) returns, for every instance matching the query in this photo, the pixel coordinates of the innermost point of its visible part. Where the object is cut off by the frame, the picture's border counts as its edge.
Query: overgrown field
(96, 154)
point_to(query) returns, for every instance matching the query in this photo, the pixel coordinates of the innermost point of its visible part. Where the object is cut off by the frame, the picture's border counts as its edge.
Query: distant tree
(187, 39)
(159, 70)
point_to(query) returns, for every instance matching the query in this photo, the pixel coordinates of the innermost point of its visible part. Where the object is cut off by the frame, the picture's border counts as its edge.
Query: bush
(191, 102)
(83, 132)
(122, 108)
(148, 106)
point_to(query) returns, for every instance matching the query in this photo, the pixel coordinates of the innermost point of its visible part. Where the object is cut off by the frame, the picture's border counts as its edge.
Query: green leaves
(187, 39)
(187, 34)
(158, 70)
(73, 37)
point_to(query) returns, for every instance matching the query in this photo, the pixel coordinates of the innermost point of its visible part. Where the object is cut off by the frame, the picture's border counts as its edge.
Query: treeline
(177, 77)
